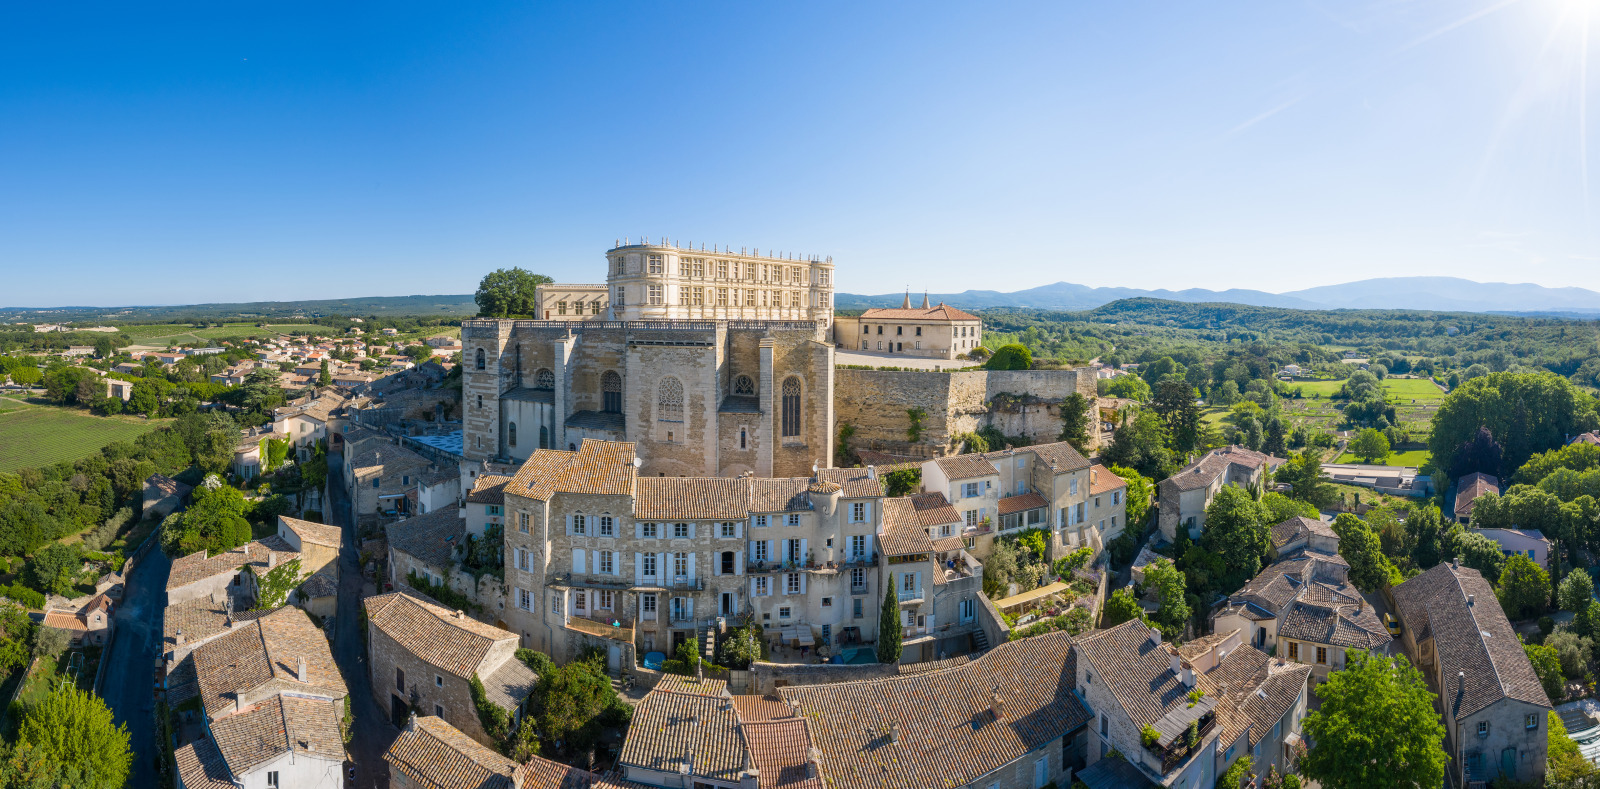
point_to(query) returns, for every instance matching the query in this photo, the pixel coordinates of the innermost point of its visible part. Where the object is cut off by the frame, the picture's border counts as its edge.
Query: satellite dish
(637, 462)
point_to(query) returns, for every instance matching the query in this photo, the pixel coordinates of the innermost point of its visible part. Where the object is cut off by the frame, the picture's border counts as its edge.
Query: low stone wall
(766, 677)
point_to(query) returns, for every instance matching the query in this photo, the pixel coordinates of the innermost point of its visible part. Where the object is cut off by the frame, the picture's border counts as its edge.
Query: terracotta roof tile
(264, 655)
(1060, 456)
(1469, 488)
(854, 481)
(1027, 501)
(257, 554)
(200, 766)
(902, 533)
(761, 708)
(691, 498)
(489, 489)
(429, 537)
(1216, 463)
(933, 510)
(450, 640)
(668, 727)
(598, 467)
(784, 494)
(1471, 640)
(965, 466)
(943, 312)
(317, 533)
(435, 754)
(1105, 481)
(781, 750)
(278, 725)
(947, 734)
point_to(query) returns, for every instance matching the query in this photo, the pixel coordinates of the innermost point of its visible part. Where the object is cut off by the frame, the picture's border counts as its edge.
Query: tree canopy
(73, 726)
(1526, 412)
(1376, 728)
(508, 292)
(1011, 357)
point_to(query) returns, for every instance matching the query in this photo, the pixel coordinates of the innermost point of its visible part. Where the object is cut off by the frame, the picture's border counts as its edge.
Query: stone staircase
(980, 641)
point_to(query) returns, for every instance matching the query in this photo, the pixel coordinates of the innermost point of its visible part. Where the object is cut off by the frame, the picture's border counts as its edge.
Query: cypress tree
(889, 635)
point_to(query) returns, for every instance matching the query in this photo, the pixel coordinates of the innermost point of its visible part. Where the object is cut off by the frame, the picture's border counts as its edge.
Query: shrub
(1547, 625)
(1148, 736)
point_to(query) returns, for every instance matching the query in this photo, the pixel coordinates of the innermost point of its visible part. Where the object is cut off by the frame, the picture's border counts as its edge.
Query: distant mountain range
(1445, 294)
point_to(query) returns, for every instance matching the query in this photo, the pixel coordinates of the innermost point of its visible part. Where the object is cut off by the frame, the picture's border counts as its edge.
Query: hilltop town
(693, 527)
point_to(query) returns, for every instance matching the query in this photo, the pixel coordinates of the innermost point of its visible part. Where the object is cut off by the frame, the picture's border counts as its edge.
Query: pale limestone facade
(697, 398)
(649, 563)
(941, 332)
(572, 302)
(666, 282)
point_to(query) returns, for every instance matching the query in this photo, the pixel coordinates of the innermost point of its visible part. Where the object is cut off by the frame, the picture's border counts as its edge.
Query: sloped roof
(489, 489)
(1060, 456)
(257, 554)
(784, 494)
(1299, 528)
(948, 736)
(437, 755)
(318, 533)
(1105, 481)
(933, 510)
(690, 498)
(278, 725)
(854, 482)
(265, 654)
(1027, 501)
(598, 467)
(965, 466)
(781, 750)
(668, 727)
(1470, 487)
(1480, 657)
(943, 312)
(430, 536)
(1216, 463)
(902, 533)
(448, 639)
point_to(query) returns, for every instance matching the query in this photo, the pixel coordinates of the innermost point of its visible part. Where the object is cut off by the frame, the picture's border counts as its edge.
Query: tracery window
(669, 400)
(611, 392)
(744, 385)
(791, 407)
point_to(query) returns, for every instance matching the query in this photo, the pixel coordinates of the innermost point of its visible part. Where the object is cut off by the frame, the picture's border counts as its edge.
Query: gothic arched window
(611, 392)
(669, 400)
(791, 407)
(544, 437)
(744, 385)
(544, 379)
(511, 433)
(482, 364)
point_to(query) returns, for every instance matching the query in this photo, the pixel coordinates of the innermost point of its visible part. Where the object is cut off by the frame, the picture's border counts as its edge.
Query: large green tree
(1527, 412)
(1171, 590)
(890, 637)
(1137, 499)
(1371, 446)
(574, 703)
(1547, 665)
(1141, 444)
(214, 522)
(1303, 474)
(1370, 570)
(1011, 357)
(1524, 588)
(1236, 531)
(1376, 728)
(1076, 421)
(73, 726)
(1174, 402)
(508, 292)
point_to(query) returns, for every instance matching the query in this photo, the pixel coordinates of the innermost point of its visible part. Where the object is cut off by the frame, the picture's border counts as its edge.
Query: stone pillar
(561, 356)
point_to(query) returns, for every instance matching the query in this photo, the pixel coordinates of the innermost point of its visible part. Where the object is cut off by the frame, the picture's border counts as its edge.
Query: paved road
(372, 731)
(129, 683)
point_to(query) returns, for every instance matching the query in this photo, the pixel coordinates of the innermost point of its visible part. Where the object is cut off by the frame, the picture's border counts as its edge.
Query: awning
(1030, 596)
(799, 635)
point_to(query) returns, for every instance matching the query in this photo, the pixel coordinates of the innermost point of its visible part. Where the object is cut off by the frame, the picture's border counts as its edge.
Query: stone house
(941, 332)
(937, 583)
(432, 754)
(247, 461)
(308, 422)
(317, 543)
(1186, 494)
(198, 575)
(163, 495)
(571, 302)
(1045, 486)
(382, 478)
(122, 390)
(1002, 720)
(271, 699)
(1528, 542)
(1468, 489)
(424, 656)
(1494, 709)
(90, 624)
(1235, 700)
(1302, 607)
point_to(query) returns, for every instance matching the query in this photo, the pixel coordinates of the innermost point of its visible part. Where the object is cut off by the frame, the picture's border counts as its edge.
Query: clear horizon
(196, 153)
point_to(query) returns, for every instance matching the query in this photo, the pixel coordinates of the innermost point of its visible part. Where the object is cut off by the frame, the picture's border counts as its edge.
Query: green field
(1324, 388)
(1414, 457)
(1407, 389)
(39, 436)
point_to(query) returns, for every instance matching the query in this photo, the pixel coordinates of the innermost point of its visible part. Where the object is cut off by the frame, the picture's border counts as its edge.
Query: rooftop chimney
(997, 704)
(1155, 637)
(300, 669)
(411, 723)
(1175, 662)
(458, 614)
(238, 700)
(1472, 599)
(178, 637)
(894, 732)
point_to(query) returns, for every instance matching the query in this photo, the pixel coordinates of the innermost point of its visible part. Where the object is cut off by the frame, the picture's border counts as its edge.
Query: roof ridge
(1472, 610)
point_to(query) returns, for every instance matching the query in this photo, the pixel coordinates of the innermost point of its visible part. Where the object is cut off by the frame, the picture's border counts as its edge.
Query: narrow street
(129, 683)
(372, 732)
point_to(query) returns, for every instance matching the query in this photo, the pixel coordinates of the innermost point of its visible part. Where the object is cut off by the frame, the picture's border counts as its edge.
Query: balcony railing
(622, 632)
(1176, 753)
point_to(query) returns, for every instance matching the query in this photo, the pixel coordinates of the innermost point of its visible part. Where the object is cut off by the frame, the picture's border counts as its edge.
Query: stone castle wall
(1017, 402)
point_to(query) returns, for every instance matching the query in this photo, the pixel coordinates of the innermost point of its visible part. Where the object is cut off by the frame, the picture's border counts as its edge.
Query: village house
(1494, 709)
(318, 545)
(1468, 489)
(1234, 699)
(90, 624)
(121, 390)
(1525, 542)
(382, 478)
(163, 495)
(424, 657)
(1188, 492)
(198, 575)
(271, 698)
(247, 460)
(432, 754)
(1001, 720)
(1303, 606)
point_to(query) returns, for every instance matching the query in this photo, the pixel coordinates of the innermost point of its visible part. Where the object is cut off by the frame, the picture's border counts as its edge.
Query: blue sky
(175, 153)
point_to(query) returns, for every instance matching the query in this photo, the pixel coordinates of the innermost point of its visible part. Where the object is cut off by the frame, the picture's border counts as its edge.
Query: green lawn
(48, 434)
(1324, 388)
(1407, 389)
(1414, 457)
